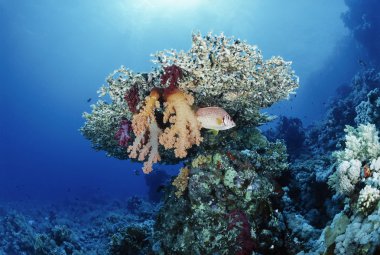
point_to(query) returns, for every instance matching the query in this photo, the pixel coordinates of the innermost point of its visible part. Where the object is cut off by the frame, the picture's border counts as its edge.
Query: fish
(89, 99)
(214, 118)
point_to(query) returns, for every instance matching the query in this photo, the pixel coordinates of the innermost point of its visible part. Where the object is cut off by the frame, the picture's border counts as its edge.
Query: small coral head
(172, 74)
(122, 135)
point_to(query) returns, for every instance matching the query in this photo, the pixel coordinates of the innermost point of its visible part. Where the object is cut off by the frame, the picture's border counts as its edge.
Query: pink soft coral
(122, 135)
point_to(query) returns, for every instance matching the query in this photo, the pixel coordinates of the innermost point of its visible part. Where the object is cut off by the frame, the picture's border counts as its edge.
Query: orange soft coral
(185, 128)
(140, 121)
(144, 124)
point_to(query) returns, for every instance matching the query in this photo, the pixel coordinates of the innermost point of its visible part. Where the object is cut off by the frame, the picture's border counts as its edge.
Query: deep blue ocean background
(54, 55)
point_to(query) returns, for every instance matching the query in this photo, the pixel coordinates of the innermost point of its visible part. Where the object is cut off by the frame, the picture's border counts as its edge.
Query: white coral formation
(231, 73)
(345, 178)
(100, 130)
(368, 198)
(119, 82)
(375, 165)
(362, 143)
(374, 180)
(362, 235)
(369, 111)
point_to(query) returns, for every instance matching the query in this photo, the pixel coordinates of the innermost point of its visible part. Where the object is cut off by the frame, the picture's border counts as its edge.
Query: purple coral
(122, 135)
(172, 74)
(238, 220)
(132, 98)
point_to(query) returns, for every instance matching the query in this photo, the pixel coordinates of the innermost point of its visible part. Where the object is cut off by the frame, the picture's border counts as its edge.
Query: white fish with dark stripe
(214, 118)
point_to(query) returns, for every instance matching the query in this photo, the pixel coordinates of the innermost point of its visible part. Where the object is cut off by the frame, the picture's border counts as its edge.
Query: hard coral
(232, 74)
(185, 128)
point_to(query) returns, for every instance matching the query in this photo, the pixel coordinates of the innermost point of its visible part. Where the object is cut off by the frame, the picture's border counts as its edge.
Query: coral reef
(232, 74)
(334, 179)
(354, 230)
(102, 130)
(123, 134)
(216, 71)
(231, 200)
(369, 111)
(361, 143)
(77, 228)
(226, 198)
(328, 135)
(360, 235)
(132, 240)
(132, 98)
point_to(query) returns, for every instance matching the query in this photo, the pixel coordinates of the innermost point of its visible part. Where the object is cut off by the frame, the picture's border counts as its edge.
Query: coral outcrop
(354, 230)
(217, 71)
(226, 198)
(231, 202)
(332, 183)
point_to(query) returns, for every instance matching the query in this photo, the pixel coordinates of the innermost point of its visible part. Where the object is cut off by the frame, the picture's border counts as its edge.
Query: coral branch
(141, 150)
(144, 125)
(185, 129)
(140, 121)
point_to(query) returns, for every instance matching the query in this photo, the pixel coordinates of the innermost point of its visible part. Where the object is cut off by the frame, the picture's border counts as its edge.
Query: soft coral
(122, 135)
(172, 74)
(238, 220)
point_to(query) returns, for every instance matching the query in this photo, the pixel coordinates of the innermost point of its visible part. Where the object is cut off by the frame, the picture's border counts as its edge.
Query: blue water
(54, 55)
